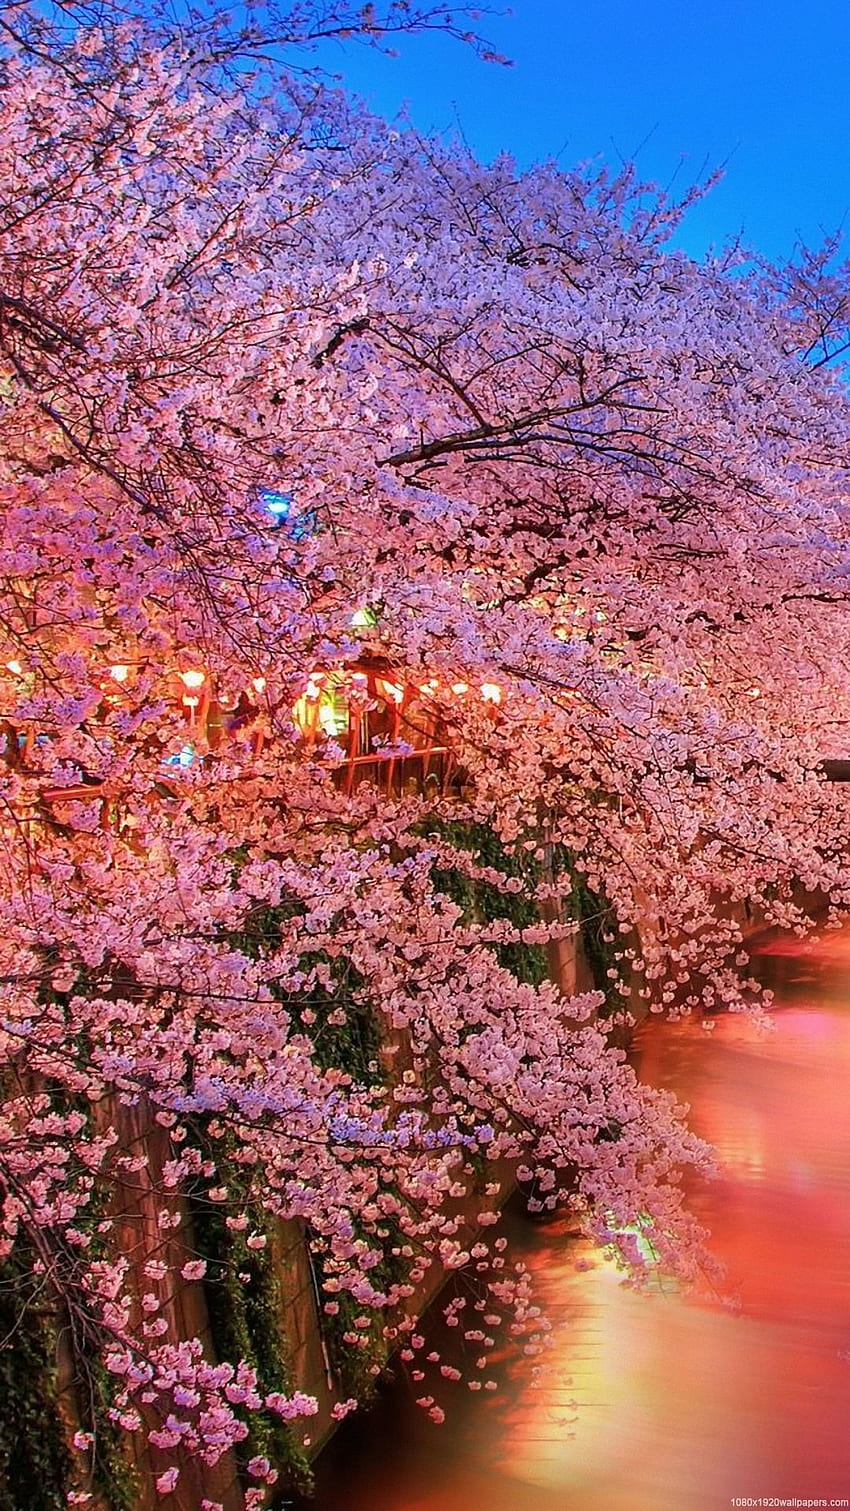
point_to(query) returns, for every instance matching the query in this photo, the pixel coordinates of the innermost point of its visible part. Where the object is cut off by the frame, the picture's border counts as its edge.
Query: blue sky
(761, 89)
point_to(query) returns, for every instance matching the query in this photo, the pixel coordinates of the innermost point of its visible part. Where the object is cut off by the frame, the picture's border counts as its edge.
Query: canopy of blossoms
(581, 500)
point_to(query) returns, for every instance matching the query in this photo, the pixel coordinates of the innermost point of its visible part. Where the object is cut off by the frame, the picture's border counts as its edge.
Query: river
(660, 1402)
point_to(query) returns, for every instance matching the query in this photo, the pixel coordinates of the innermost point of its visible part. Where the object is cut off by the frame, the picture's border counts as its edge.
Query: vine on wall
(484, 903)
(34, 1454)
(242, 1286)
(36, 1423)
(244, 1300)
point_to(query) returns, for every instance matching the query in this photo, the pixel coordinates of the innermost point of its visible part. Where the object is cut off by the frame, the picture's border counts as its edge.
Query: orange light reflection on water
(659, 1402)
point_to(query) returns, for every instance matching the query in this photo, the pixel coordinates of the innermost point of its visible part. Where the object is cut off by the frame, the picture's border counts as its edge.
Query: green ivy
(352, 1045)
(246, 1319)
(33, 1427)
(114, 1477)
(483, 902)
(353, 1364)
(34, 1454)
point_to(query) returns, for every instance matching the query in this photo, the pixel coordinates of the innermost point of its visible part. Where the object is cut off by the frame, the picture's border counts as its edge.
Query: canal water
(661, 1402)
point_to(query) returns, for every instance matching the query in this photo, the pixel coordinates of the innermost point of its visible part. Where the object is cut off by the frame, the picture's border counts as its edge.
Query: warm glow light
(193, 679)
(15, 668)
(753, 692)
(333, 721)
(390, 690)
(459, 688)
(259, 684)
(313, 690)
(119, 673)
(491, 692)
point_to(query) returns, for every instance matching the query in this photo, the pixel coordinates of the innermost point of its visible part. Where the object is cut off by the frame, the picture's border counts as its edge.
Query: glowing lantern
(15, 668)
(259, 684)
(459, 688)
(193, 681)
(119, 673)
(491, 692)
(322, 707)
(333, 718)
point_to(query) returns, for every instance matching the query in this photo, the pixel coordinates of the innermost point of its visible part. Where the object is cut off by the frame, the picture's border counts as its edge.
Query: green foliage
(261, 929)
(339, 1022)
(34, 1454)
(244, 1301)
(483, 902)
(353, 1362)
(113, 1475)
(342, 1025)
(34, 1430)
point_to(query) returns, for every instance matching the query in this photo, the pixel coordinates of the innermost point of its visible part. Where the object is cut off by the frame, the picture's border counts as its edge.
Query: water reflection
(656, 1402)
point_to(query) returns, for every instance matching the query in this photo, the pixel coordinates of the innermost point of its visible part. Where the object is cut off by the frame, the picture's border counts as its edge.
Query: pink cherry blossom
(550, 605)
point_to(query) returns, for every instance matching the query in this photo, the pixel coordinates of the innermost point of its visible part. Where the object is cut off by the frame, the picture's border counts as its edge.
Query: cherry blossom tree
(284, 394)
